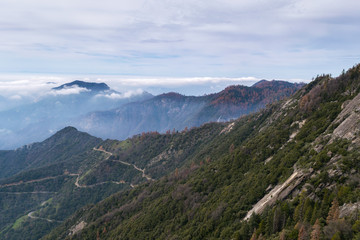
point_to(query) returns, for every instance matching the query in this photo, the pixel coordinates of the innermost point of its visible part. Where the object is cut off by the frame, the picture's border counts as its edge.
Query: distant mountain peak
(64, 133)
(261, 82)
(67, 130)
(92, 86)
(172, 95)
(273, 83)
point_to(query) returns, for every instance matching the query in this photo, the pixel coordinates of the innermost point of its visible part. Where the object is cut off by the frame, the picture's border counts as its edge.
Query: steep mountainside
(175, 111)
(289, 172)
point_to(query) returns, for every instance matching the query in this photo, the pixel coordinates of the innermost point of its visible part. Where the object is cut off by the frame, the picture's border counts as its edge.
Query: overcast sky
(185, 40)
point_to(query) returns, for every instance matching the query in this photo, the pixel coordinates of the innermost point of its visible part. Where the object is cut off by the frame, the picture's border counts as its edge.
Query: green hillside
(73, 169)
(288, 172)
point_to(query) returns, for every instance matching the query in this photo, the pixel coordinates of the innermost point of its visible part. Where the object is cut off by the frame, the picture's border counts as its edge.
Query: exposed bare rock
(348, 209)
(289, 103)
(349, 120)
(318, 148)
(269, 188)
(268, 159)
(334, 172)
(333, 160)
(293, 135)
(345, 104)
(279, 192)
(228, 128)
(77, 228)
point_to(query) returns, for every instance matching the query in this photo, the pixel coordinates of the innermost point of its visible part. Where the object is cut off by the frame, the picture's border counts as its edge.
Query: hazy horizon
(15, 88)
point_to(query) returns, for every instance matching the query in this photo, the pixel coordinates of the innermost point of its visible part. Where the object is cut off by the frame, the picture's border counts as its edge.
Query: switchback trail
(102, 150)
(30, 215)
(32, 181)
(35, 192)
(94, 185)
(126, 163)
(137, 168)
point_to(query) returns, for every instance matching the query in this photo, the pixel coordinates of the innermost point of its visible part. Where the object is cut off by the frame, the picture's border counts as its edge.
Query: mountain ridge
(91, 86)
(176, 111)
(35, 154)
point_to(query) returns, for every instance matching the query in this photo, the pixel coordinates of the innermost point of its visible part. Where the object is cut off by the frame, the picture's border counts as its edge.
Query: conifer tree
(333, 212)
(254, 236)
(316, 232)
(303, 235)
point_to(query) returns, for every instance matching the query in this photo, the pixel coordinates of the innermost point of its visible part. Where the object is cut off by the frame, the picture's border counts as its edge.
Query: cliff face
(348, 121)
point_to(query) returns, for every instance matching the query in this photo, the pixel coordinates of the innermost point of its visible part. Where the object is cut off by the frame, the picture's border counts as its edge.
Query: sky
(162, 45)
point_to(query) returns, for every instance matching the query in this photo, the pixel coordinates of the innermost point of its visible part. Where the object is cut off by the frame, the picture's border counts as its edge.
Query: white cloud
(169, 82)
(126, 94)
(37, 86)
(75, 89)
(24, 86)
(16, 97)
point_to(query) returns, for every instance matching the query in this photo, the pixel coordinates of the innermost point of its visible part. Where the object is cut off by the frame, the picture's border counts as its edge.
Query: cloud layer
(265, 39)
(17, 87)
(69, 91)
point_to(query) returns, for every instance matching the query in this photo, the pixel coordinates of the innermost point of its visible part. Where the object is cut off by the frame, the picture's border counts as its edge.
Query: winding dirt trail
(126, 163)
(35, 192)
(31, 215)
(104, 151)
(77, 175)
(30, 181)
(96, 184)
(137, 168)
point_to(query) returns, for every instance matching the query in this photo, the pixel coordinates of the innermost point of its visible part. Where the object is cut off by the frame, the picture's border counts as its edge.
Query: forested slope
(71, 169)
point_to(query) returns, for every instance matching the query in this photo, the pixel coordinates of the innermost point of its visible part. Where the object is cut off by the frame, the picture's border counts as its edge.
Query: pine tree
(316, 232)
(277, 220)
(333, 212)
(303, 235)
(299, 210)
(254, 236)
(315, 212)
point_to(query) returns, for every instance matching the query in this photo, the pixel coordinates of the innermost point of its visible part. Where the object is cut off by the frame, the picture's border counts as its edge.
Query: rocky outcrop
(77, 228)
(279, 192)
(348, 209)
(228, 128)
(349, 120)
